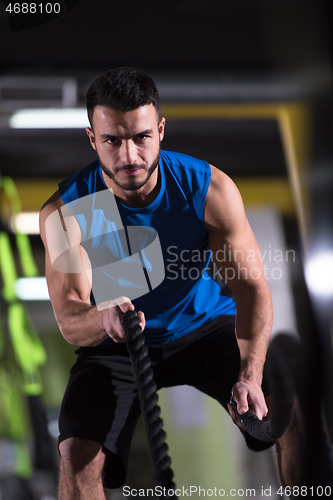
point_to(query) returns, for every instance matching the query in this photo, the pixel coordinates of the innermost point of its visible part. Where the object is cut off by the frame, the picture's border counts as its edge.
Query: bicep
(237, 256)
(67, 266)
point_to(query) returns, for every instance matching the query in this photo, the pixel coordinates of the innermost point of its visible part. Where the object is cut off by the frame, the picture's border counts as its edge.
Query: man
(188, 320)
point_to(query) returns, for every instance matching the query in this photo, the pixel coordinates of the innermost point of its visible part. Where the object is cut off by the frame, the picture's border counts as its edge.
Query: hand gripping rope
(148, 397)
(283, 399)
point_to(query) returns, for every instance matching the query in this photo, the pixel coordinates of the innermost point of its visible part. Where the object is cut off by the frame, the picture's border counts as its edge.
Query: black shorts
(101, 401)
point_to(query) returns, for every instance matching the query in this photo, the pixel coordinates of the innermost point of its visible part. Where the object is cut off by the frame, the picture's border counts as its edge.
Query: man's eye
(112, 141)
(142, 137)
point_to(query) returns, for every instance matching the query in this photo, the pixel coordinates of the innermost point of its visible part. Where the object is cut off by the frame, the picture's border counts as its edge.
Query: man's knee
(79, 454)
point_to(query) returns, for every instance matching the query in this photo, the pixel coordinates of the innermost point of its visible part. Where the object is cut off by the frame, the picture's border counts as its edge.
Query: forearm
(80, 323)
(253, 329)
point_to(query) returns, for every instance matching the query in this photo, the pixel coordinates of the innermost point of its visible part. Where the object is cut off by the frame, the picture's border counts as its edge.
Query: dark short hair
(123, 89)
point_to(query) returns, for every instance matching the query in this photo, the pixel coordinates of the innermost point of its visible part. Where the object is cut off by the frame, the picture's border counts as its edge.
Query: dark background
(174, 34)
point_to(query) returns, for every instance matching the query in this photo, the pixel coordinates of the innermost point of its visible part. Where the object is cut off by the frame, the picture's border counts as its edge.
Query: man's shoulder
(192, 176)
(183, 163)
(80, 184)
(182, 159)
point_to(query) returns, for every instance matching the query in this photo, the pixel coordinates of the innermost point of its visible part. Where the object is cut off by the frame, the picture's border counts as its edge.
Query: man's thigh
(101, 404)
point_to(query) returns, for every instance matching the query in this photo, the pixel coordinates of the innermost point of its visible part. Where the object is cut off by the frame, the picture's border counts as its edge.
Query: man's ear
(161, 128)
(91, 136)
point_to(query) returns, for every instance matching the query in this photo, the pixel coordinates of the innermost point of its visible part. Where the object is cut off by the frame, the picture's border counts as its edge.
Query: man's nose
(128, 153)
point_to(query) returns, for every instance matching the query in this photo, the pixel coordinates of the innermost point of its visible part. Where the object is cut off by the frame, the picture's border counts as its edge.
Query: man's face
(127, 144)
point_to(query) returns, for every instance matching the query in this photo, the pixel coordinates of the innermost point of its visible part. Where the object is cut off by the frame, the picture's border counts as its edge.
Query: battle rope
(148, 397)
(283, 401)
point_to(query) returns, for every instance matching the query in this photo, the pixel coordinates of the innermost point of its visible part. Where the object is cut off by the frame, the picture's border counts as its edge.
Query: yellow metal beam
(221, 111)
(266, 191)
(295, 129)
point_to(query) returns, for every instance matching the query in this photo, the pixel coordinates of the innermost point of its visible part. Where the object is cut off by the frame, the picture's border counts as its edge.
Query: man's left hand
(248, 394)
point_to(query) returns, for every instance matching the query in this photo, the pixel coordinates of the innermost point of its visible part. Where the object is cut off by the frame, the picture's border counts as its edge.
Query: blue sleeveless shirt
(187, 297)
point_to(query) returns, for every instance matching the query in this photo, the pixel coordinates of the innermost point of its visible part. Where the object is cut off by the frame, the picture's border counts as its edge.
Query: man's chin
(131, 185)
(130, 182)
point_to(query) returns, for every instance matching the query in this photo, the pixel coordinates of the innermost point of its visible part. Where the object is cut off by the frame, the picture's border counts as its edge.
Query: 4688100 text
(305, 491)
(33, 8)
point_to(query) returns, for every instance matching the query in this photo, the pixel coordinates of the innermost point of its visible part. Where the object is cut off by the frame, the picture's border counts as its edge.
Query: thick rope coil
(283, 401)
(144, 376)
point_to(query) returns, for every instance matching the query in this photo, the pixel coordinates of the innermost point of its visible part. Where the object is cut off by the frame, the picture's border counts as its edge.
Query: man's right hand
(112, 320)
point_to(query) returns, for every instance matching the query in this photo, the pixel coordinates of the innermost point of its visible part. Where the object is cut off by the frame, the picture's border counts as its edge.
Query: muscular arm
(229, 230)
(79, 322)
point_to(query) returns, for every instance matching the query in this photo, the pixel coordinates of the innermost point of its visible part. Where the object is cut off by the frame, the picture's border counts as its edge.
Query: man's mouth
(130, 171)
